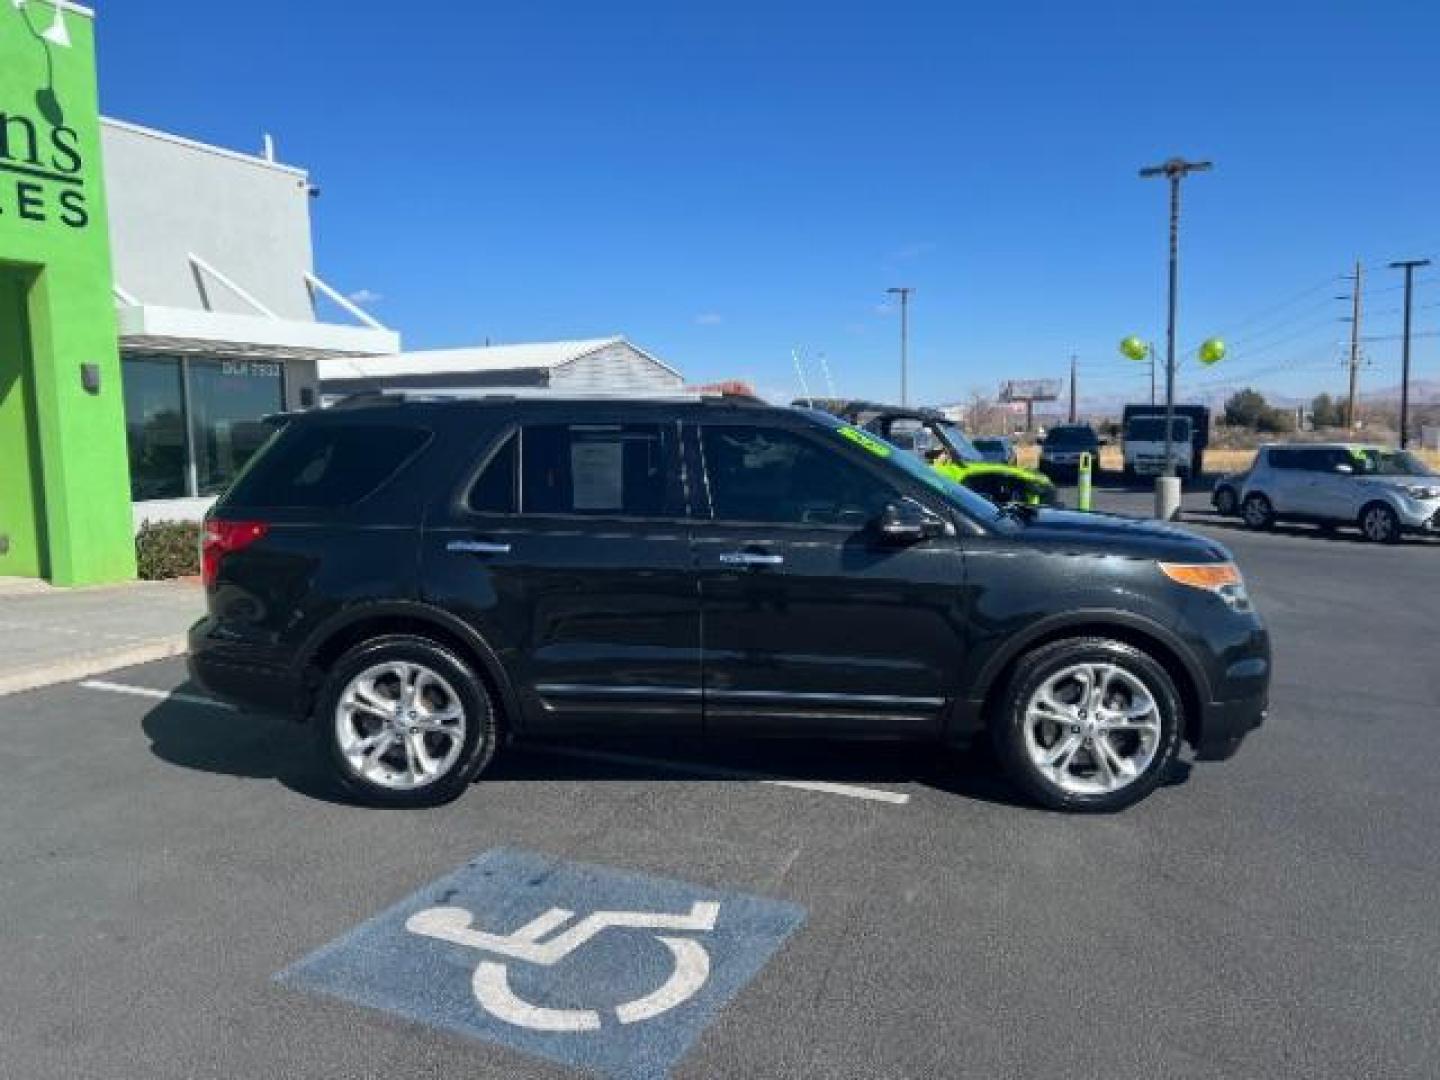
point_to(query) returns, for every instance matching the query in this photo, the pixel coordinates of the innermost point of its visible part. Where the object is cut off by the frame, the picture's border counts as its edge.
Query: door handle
(477, 547)
(750, 558)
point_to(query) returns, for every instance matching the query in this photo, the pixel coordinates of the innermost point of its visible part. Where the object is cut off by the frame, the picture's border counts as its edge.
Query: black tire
(1226, 503)
(1257, 512)
(478, 745)
(1379, 523)
(1008, 725)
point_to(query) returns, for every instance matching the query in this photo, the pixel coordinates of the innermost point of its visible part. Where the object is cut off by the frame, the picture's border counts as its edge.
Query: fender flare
(419, 611)
(1091, 619)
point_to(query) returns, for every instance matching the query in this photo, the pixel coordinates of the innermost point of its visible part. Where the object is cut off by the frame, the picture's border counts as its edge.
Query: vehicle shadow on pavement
(251, 746)
(203, 738)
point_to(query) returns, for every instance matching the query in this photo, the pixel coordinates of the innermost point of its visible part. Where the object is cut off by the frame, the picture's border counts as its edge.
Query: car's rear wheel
(1380, 524)
(406, 722)
(1225, 501)
(1257, 512)
(1089, 724)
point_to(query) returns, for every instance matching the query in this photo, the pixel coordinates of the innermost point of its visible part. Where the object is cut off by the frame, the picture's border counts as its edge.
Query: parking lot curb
(96, 663)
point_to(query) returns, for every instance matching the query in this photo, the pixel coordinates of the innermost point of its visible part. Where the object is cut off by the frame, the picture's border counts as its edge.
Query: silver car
(1385, 493)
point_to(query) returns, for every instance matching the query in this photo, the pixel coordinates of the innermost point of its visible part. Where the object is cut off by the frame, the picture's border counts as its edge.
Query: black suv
(426, 579)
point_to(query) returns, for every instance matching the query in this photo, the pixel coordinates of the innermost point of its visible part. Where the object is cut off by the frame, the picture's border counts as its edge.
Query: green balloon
(1212, 351)
(1132, 348)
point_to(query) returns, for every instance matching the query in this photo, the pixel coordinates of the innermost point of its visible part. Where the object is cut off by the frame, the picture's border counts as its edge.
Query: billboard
(1030, 390)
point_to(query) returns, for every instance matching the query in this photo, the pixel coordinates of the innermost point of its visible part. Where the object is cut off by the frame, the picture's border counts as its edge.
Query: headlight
(1223, 579)
(1422, 492)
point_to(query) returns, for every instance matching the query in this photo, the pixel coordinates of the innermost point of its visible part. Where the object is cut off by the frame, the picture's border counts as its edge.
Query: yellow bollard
(1082, 483)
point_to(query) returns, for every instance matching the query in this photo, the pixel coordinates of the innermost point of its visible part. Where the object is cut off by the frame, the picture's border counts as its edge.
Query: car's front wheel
(1380, 524)
(1089, 724)
(405, 722)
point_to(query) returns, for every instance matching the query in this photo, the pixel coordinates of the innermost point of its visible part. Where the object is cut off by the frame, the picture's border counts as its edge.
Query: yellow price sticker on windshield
(869, 442)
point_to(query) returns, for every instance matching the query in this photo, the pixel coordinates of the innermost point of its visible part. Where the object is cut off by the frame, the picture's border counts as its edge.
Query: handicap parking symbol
(585, 965)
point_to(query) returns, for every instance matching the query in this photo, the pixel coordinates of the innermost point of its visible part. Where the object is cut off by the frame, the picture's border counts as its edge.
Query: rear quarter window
(325, 465)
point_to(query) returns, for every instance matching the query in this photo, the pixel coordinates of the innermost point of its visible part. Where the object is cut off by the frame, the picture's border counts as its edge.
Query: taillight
(223, 538)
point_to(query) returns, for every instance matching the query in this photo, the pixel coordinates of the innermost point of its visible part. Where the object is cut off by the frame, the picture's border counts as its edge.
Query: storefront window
(228, 399)
(192, 424)
(155, 428)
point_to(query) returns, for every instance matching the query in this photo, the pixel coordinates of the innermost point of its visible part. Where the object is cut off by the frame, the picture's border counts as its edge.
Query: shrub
(167, 549)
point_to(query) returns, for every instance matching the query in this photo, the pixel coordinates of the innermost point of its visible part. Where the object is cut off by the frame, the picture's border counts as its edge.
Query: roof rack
(373, 398)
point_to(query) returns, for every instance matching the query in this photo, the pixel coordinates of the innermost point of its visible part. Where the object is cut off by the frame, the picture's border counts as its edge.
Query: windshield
(975, 506)
(960, 444)
(1152, 429)
(1082, 437)
(1378, 461)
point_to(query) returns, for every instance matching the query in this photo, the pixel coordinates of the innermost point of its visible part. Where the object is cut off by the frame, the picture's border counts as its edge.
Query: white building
(219, 309)
(597, 365)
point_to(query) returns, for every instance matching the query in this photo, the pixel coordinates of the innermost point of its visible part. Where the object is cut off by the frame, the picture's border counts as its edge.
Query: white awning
(150, 328)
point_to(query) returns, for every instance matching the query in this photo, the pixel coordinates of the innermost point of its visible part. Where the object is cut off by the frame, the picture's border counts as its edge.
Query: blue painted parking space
(585, 965)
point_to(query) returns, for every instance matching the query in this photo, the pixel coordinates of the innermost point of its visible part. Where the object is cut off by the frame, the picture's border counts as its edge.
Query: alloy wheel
(1092, 729)
(1379, 524)
(1257, 512)
(400, 725)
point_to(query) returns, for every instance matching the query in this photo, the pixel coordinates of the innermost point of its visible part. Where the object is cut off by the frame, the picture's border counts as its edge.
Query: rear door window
(616, 470)
(1283, 457)
(324, 465)
(1315, 458)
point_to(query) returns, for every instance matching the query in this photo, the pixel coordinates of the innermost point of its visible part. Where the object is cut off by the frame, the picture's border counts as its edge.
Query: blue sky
(723, 182)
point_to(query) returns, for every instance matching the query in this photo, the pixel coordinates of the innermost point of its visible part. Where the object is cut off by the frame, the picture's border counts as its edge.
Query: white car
(1384, 492)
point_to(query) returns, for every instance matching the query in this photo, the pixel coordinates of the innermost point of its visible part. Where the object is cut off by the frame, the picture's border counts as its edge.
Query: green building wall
(64, 485)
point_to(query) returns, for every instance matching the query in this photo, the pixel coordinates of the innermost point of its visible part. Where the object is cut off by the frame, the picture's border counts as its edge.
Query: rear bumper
(227, 673)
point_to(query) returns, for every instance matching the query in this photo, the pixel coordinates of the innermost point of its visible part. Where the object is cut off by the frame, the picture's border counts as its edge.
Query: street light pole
(904, 293)
(1408, 265)
(1174, 170)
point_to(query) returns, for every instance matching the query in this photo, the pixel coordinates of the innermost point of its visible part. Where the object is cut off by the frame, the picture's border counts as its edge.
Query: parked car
(1385, 493)
(937, 440)
(999, 449)
(425, 580)
(1225, 495)
(1060, 451)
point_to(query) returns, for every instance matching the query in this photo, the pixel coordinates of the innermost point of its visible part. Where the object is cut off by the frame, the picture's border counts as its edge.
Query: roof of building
(533, 355)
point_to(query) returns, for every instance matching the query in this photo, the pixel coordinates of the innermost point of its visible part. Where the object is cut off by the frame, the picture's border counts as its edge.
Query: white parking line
(852, 791)
(158, 695)
(692, 768)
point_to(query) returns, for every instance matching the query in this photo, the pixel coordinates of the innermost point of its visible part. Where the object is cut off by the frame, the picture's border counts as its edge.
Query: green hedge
(168, 549)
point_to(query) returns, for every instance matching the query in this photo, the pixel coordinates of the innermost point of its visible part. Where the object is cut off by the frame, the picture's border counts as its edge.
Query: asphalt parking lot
(164, 860)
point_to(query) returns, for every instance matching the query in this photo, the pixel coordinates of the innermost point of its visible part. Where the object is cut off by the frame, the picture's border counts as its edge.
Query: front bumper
(1226, 723)
(1418, 515)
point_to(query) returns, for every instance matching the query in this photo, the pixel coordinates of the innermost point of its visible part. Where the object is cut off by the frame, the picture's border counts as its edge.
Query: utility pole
(1072, 388)
(904, 293)
(1408, 265)
(1354, 349)
(1174, 170)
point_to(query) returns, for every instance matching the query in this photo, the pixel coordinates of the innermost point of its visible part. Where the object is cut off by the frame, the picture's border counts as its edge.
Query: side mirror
(907, 522)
